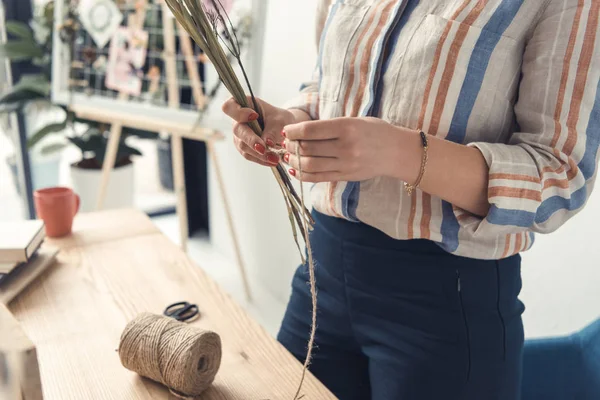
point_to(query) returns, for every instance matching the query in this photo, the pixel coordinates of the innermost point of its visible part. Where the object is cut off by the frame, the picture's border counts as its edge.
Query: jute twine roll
(183, 358)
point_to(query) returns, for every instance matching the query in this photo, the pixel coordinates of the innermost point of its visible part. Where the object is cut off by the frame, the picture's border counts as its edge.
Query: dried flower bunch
(208, 24)
(209, 27)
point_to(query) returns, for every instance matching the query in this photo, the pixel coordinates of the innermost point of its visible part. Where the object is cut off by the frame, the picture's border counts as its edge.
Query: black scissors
(182, 311)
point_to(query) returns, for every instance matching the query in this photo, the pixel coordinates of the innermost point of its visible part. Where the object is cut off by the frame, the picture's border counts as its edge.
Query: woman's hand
(252, 147)
(344, 149)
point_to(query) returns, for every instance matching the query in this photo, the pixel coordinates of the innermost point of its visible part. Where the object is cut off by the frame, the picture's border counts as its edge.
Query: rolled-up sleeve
(544, 175)
(308, 98)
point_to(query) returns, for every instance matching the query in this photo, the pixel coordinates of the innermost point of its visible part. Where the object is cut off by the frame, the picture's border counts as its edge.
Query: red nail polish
(253, 117)
(260, 148)
(286, 157)
(283, 134)
(270, 143)
(292, 172)
(273, 158)
(283, 145)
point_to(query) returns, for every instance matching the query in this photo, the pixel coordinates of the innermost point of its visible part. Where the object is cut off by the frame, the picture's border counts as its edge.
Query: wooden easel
(177, 131)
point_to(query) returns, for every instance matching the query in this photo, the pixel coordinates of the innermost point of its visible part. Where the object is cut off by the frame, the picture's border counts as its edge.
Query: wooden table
(114, 266)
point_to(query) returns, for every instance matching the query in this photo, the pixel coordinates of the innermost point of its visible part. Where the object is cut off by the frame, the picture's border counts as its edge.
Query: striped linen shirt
(517, 79)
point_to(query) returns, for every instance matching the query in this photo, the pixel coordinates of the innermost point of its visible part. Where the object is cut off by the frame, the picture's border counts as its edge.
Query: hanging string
(312, 281)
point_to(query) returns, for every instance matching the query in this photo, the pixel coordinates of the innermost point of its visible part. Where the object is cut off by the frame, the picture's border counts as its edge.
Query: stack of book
(22, 258)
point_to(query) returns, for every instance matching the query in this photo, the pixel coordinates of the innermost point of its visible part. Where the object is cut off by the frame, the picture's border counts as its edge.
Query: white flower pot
(119, 193)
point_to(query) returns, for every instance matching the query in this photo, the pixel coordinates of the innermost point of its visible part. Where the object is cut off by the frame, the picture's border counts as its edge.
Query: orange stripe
(585, 60)
(573, 168)
(556, 183)
(565, 74)
(502, 191)
(426, 216)
(333, 185)
(571, 173)
(364, 64)
(411, 218)
(518, 243)
(448, 74)
(559, 170)
(353, 60)
(436, 61)
(506, 246)
(515, 177)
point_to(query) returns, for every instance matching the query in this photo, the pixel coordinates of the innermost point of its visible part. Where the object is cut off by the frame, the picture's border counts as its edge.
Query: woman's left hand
(342, 149)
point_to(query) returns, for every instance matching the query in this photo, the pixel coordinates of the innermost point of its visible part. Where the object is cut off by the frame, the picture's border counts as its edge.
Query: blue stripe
(587, 165)
(531, 239)
(480, 59)
(505, 217)
(351, 194)
(588, 162)
(553, 204)
(404, 9)
(350, 200)
(323, 34)
(449, 229)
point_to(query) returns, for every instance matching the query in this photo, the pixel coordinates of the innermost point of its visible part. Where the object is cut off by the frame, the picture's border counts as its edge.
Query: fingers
(268, 160)
(314, 148)
(238, 113)
(312, 164)
(312, 130)
(247, 135)
(316, 178)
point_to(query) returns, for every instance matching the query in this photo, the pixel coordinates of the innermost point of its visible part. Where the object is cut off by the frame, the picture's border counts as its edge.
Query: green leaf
(16, 100)
(46, 130)
(52, 148)
(8, 108)
(19, 29)
(30, 87)
(98, 147)
(49, 13)
(130, 132)
(80, 143)
(39, 82)
(17, 94)
(125, 150)
(44, 61)
(20, 50)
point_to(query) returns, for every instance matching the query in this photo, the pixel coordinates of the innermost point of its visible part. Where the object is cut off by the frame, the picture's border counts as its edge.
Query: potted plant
(86, 174)
(43, 122)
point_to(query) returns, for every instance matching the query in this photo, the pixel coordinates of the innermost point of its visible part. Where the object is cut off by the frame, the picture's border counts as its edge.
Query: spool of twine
(183, 358)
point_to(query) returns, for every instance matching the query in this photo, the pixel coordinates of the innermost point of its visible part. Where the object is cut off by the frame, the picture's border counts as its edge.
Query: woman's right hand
(251, 146)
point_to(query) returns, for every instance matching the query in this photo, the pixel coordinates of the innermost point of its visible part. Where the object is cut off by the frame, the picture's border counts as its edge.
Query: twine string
(183, 358)
(312, 281)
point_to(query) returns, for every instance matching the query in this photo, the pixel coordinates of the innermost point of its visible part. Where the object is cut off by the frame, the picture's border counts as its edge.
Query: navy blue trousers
(405, 320)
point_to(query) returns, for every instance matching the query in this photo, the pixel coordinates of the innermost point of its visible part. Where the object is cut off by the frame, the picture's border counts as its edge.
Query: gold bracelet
(411, 188)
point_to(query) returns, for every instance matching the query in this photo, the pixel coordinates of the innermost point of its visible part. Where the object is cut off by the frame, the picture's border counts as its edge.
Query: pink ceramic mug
(57, 207)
